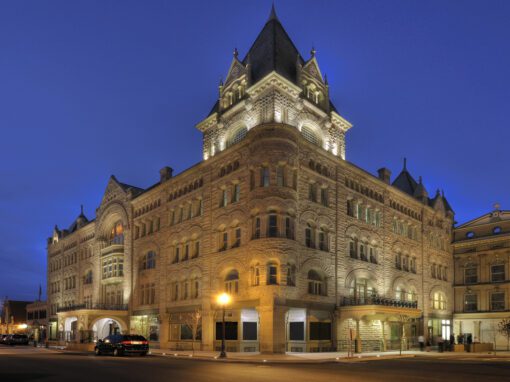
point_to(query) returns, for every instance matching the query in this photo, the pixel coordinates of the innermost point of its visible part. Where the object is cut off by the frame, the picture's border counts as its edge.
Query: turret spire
(272, 15)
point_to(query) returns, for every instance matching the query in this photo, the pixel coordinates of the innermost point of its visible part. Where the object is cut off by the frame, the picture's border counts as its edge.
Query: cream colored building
(482, 285)
(312, 249)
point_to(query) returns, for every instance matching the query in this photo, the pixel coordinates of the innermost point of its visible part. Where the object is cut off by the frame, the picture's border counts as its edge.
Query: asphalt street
(29, 364)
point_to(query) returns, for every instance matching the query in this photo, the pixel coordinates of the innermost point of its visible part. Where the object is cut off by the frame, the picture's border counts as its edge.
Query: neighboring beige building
(482, 283)
(308, 245)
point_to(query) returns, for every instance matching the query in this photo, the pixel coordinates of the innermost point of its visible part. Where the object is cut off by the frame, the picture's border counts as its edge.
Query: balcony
(120, 307)
(380, 301)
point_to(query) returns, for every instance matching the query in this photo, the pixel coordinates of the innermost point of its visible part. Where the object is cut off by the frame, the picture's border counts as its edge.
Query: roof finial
(325, 79)
(81, 209)
(496, 206)
(236, 53)
(272, 15)
(442, 193)
(313, 51)
(405, 164)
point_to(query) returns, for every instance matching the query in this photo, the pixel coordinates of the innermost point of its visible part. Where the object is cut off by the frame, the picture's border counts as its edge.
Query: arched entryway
(106, 326)
(70, 329)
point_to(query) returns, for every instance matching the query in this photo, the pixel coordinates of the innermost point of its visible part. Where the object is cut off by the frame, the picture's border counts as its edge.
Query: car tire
(117, 352)
(97, 351)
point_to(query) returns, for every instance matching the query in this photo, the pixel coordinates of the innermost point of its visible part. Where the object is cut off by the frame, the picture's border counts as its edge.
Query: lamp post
(223, 299)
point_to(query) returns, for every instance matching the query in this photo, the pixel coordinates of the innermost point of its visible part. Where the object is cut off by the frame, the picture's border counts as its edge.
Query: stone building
(481, 250)
(37, 320)
(312, 249)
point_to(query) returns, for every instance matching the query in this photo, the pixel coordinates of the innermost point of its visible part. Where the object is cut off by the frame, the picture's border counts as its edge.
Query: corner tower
(273, 83)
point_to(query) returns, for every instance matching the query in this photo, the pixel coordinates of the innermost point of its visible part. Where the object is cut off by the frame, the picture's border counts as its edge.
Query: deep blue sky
(94, 88)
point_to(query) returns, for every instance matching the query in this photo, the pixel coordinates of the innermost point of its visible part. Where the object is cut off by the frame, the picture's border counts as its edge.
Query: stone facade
(312, 249)
(482, 285)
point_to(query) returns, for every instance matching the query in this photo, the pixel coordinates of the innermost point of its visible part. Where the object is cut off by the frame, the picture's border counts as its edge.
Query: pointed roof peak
(272, 14)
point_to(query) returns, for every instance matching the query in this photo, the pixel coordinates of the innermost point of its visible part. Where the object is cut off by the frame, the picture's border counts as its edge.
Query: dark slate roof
(405, 182)
(273, 50)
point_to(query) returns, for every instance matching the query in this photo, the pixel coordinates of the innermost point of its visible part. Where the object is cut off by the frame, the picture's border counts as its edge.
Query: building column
(358, 347)
(272, 333)
(164, 325)
(208, 324)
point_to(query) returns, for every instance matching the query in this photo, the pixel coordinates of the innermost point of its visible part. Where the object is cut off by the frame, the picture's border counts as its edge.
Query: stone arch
(360, 273)
(115, 211)
(102, 326)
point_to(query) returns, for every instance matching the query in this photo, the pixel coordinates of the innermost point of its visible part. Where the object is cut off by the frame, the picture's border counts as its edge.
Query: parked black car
(3, 337)
(120, 344)
(16, 339)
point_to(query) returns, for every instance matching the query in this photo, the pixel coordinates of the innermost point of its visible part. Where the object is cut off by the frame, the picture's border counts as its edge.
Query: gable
(312, 69)
(236, 70)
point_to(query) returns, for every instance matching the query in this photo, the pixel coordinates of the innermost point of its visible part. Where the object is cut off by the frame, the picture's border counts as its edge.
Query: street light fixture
(222, 300)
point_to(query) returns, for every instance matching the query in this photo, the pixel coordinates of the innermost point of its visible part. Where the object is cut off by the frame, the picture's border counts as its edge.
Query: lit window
(316, 283)
(498, 273)
(272, 274)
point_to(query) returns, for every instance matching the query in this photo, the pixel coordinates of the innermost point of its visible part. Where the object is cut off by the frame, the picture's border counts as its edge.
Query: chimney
(384, 175)
(165, 173)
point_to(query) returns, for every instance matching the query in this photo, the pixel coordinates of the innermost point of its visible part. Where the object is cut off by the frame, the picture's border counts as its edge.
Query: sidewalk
(319, 357)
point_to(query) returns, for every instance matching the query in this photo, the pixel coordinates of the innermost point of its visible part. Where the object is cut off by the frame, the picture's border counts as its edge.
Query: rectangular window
(186, 252)
(323, 241)
(498, 273)
(224, 241)
(252, 180)
(237, 240)
(236, 193)
(177, 254)
(264, 177)
(296, 331)
(470, 303)
(320, 330)
(272, 229)
(324, 197)
(352, 250)
(230, 330)
(312, 194)
(309, 242)
(498, 301)
(224, 198)
(256, 228)
(350, 208)
(249, 331)
(280, 176)
(289, 228)
(186, 332)
(272, 275)
(200, 207)
(197, 249)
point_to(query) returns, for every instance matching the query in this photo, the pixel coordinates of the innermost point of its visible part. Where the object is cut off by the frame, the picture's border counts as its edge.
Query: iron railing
(94, 307)
(376, 300)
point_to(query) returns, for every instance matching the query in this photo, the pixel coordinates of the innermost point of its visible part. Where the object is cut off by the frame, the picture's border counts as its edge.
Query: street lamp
(223, 299)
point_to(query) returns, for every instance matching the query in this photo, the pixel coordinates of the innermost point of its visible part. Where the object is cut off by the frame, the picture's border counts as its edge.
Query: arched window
(272, 274)
(323, 240)
(438, 301)
(316, 283)
(232, 282)
(237, 136)
(400, 293)
(195, 287)
(310, 135)
(117, 234)
(361, 290)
